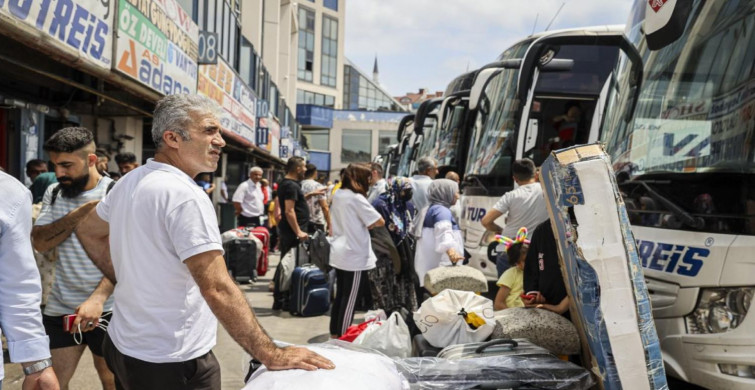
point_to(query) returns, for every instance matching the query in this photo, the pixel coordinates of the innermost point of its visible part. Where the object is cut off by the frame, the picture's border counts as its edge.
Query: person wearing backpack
(78, 287)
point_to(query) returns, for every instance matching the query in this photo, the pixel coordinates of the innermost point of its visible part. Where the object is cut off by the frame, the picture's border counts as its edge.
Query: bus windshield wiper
(685, 217)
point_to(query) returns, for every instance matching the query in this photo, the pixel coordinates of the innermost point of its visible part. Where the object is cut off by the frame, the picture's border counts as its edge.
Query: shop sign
(85, 26)
(157, 45)
(285, 148)
(220, 83)
(262, 136)
(263, 108)
(208, 48)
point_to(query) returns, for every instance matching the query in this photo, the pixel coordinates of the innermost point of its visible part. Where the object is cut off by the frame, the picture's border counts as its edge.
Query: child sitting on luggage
(511, 283)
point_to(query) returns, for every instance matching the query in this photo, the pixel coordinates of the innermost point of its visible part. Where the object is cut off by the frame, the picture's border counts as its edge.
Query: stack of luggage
(241, 253)
(305, 283)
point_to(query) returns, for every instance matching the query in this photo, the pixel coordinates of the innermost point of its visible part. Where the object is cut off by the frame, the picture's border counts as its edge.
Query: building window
(307, 97)
(356, 146)
(332, 4)
(329, 51)
(209, 22)
(248, 63)
(306, 44)
(385, 139)
(317, 139)
(190, 6)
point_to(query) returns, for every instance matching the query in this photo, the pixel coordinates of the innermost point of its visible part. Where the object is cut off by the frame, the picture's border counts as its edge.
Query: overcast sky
(426, 43)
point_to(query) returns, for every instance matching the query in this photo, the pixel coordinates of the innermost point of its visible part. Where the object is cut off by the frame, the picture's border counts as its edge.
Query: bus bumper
(713, 361)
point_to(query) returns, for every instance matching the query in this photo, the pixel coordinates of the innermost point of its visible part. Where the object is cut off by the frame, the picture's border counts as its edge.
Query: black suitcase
(498, 364)
(240, 258)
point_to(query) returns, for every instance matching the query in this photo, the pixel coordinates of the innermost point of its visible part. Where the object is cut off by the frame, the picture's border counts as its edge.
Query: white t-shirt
(159, 218)
(420, 183)
(250, 195)
(525, 206)
(376, 190)
(351, 248)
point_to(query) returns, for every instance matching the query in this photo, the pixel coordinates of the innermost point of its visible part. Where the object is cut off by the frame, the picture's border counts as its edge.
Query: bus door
(565, 105)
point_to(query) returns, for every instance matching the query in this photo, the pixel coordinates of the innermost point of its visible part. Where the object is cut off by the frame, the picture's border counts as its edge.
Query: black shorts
(59, 338)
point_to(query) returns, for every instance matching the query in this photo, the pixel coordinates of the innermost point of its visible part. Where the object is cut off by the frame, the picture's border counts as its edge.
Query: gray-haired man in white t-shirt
(156, 235)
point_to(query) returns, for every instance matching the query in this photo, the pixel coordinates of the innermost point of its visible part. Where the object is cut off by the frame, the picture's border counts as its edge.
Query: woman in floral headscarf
(396, 207)
(392, 280)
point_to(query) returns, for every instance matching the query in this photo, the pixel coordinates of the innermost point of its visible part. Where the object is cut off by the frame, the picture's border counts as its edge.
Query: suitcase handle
(483, 347)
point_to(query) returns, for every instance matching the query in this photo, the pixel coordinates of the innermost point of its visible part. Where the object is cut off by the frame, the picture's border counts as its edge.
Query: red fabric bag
(353, 331)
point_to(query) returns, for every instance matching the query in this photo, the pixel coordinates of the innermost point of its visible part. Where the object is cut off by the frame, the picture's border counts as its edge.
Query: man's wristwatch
(38, 366)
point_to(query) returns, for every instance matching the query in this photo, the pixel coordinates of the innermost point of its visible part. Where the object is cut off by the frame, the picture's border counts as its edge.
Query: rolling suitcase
(518, 347)
(499, 364)
(241, 259)
(309, 291)
(263, 235)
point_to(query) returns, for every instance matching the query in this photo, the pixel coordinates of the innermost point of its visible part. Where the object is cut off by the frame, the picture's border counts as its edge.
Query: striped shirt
(76, 276)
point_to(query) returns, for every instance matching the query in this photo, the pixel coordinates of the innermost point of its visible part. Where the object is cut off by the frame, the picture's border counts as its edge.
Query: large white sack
(354, 370)
(440, 321)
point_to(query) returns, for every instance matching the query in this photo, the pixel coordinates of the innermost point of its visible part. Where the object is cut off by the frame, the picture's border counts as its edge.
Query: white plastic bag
(377, 315)
(441, 320)
(390, 337)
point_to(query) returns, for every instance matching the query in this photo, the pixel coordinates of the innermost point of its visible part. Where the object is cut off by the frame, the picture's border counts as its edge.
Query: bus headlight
(720, 310)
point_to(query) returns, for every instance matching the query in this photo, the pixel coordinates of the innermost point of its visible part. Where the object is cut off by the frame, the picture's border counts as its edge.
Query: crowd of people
(386, 234)
(139, 262)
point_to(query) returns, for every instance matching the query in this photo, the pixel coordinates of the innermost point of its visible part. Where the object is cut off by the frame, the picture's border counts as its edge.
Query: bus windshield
(691, 136)
(428, 146)
(492, 136)
(450, 132)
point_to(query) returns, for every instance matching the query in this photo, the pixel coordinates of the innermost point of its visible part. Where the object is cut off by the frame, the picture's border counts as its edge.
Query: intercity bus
(514, 101)
(685, 160)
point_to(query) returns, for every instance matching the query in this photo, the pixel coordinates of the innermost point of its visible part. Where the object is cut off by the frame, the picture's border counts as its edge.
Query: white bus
(514, 101)
(685, 159)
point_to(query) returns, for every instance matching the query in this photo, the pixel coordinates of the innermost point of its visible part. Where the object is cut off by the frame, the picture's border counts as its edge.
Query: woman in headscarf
(439, 240)
(391, 281)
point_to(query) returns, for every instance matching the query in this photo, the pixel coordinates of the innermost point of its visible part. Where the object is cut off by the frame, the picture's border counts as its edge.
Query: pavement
(233, 360)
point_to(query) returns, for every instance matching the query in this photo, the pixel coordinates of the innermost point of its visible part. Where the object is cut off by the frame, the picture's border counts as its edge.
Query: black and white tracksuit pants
(347, 293)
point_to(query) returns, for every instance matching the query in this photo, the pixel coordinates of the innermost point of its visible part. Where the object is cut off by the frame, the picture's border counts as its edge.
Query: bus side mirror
(665, 22)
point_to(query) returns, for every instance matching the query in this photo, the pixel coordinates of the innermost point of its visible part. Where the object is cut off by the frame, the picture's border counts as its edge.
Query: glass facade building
(361, 93)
